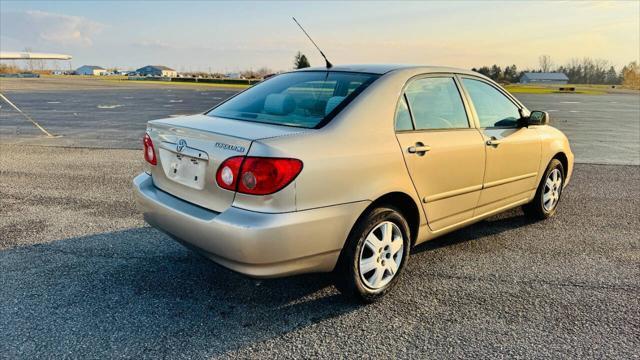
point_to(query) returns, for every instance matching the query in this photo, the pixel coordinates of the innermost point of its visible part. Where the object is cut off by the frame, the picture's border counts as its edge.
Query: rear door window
(403, 117)
(436, 103)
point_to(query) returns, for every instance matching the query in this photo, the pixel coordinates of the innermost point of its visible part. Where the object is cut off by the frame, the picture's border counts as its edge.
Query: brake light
(263, 176)
(149, 151)
(257, 175)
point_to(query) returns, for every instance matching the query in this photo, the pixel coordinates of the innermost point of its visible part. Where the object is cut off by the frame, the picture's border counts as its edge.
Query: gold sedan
(346, 169)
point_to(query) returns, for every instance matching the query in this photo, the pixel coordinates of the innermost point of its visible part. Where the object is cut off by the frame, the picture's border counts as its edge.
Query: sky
(241, 35)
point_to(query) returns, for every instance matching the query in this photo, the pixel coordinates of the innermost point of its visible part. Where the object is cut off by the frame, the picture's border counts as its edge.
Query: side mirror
(538, 118)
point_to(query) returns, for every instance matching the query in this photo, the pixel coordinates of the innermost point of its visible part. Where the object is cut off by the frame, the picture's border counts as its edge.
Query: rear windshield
(303, 99)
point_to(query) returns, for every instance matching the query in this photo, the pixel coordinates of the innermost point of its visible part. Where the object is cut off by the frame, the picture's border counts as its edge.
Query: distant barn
(90, 70)
(544, 78)
(157, 70)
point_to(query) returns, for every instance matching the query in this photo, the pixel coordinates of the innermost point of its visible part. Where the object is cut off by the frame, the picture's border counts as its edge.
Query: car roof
(385, 68)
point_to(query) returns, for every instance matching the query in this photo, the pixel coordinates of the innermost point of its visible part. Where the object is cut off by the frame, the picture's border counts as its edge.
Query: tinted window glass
(302, 99)
(493, 108)
(436, 104)
(403, 118)
(353, 85)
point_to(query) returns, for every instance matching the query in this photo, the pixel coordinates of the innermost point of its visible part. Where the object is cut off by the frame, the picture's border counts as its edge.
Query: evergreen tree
(611, 77)
(300, 61)
(495, 73)
(484, 71)
(510, 73)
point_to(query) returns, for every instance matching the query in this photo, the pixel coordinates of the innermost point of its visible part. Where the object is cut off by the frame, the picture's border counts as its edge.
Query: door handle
(493, 142)
(419, 149)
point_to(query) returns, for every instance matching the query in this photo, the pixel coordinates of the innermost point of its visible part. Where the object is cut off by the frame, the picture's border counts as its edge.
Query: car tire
(379, 245)
(545, 202)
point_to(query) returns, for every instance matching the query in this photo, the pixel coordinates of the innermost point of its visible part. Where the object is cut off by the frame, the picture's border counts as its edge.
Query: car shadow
(137, 293)
(494, 225)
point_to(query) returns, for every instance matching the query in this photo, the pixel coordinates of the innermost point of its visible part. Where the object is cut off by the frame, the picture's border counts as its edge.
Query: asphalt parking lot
(82, 276)
(603, 129)
(107, 118)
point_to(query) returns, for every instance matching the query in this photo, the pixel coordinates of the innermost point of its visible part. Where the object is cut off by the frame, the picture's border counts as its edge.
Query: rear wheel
(545, 202)
(374, 255)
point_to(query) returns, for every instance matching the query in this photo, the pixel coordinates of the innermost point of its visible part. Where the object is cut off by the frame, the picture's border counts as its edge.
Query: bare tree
(546, 64)
(631, 75)
(262, 72)
(9, 69)
(30, 62)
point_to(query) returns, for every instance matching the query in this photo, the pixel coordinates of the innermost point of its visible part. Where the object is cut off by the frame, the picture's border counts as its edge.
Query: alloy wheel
(381, 255)
(552, 189)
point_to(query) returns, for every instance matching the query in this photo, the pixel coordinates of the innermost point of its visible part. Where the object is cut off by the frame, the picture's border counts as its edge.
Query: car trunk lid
(190, 149)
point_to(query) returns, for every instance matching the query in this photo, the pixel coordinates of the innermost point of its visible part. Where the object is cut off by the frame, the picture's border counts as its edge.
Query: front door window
(493, 108)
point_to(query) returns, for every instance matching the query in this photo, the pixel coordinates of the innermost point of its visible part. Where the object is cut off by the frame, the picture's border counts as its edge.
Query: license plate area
(183, 169)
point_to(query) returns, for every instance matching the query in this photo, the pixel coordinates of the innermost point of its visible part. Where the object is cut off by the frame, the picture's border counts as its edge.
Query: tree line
(300, 61)
(579, 71)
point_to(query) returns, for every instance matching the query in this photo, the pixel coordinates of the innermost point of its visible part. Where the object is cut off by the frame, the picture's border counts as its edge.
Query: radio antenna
(329, 65)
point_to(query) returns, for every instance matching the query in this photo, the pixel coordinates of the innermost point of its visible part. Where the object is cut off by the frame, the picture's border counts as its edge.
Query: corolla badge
(181, 144)
(236, 148)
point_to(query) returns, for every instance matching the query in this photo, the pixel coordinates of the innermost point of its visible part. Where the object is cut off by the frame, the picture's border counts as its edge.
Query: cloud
(153, 44)
(38, 27)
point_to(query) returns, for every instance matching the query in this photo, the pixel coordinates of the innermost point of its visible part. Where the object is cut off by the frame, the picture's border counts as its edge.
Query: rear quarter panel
(355, 157)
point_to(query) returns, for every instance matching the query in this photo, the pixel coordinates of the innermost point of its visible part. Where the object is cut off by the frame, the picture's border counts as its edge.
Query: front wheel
(545, 202)
(374, 255)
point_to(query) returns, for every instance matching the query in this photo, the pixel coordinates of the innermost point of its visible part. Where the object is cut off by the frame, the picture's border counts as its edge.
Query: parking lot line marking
(109, 106)
(26, 116)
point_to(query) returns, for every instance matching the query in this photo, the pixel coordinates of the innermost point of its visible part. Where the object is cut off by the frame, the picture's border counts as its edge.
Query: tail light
(257, 175)
(149, 151)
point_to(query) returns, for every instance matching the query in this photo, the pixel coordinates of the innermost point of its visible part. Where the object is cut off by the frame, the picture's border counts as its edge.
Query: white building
(233, 76)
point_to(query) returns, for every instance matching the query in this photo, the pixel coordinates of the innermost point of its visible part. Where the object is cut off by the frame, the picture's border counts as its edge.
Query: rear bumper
(252, 243)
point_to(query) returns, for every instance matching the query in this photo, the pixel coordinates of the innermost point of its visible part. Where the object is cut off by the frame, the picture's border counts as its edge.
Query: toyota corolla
(345, 169)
